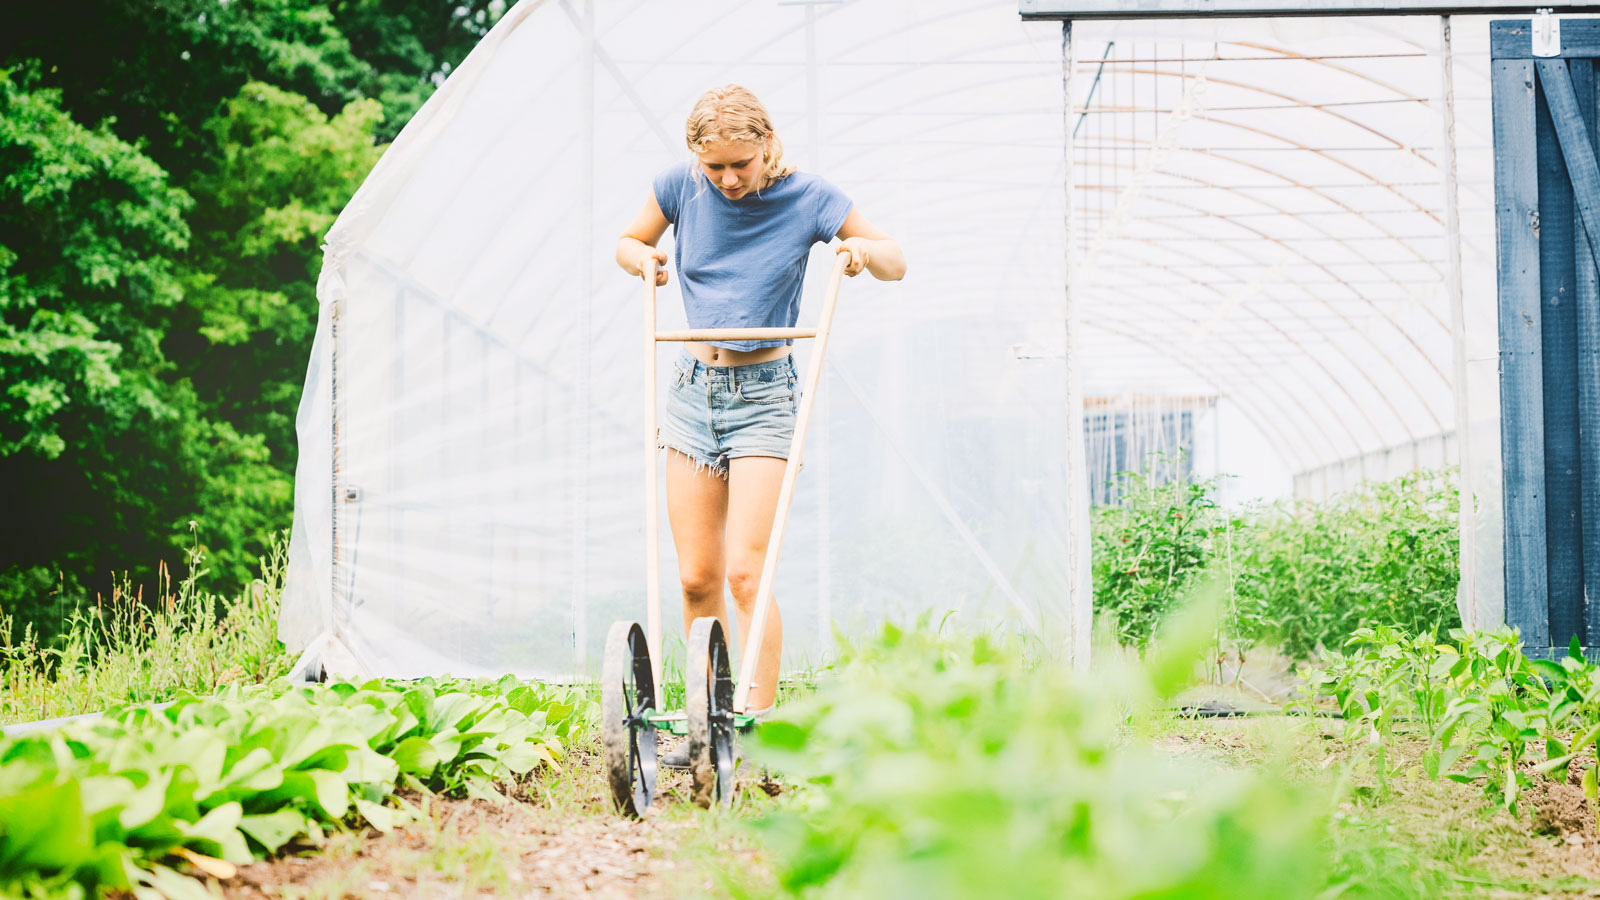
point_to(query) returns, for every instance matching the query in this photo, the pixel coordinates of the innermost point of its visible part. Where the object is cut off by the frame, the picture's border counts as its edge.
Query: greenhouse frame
(1269, 236)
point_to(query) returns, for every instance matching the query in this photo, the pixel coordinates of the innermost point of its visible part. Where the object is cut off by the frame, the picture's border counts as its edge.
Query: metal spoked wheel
(710, 714)
(627, 692)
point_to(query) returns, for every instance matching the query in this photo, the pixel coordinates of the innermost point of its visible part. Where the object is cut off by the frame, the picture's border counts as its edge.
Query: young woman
(745, 221)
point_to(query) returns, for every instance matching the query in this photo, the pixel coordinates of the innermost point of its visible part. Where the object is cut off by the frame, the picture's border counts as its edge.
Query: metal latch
(1546, 33)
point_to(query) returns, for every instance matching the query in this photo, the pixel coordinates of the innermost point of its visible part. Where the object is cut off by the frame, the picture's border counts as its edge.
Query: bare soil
(556, 836)
(1559, 809)
(1563, 829)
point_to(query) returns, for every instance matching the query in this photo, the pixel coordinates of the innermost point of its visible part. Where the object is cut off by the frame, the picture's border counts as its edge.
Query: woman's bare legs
(720, 529)
(697, 508)
(749, 504)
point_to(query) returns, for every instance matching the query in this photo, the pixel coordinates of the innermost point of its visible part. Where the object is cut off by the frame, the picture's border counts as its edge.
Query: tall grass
(132, 649)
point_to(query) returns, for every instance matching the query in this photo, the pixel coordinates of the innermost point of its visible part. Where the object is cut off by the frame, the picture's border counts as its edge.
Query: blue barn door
(1547, 219)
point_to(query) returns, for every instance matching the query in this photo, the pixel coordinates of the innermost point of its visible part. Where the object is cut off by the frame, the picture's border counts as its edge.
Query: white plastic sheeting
(1336, 478)
(1260, 214)
(470, 497)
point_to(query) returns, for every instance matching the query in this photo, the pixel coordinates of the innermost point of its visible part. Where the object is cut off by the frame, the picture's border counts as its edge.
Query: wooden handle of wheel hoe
(751, 651)
(652, 558)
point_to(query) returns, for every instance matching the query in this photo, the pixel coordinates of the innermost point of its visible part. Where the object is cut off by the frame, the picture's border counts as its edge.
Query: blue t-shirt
(741, 263)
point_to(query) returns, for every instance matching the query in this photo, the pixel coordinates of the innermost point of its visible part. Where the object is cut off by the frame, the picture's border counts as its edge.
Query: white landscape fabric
(470, 493)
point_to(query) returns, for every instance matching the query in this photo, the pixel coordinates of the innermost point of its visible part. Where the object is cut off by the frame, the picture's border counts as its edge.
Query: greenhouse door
(1547, 214)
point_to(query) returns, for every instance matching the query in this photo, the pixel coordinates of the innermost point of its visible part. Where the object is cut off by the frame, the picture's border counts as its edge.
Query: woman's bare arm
(638, 241)
(870, 249)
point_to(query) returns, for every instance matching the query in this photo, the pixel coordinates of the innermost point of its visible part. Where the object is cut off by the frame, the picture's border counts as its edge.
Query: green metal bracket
(678, 723)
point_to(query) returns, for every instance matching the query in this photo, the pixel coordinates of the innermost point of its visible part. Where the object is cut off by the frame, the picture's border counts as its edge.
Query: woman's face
(733, 167)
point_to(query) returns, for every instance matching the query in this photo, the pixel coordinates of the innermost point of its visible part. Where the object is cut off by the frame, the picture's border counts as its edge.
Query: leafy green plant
(1309, 575)
(1148, 550)
(954, 767)
(1480, 700)
(1386, 681)
(1570, 690)
(1491, 716)
(1370, 686)
(218, 781)
(1300, 576)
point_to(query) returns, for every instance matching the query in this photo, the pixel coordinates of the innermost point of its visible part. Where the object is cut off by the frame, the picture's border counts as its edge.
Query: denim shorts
(718, 413)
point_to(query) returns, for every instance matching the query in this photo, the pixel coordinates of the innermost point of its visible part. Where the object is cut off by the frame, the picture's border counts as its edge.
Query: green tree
(167, 170)
(99, 435)
(409, 47)
(281, 173)
(162, 68)
(97, 226)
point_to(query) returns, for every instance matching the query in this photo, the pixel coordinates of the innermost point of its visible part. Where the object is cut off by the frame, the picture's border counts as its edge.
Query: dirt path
(558, 837)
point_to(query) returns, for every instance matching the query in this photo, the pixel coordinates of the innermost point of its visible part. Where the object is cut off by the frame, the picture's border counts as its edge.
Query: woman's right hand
(660, 257)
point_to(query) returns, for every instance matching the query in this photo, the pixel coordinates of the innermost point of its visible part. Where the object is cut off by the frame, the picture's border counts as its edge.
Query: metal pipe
(1458, 337)
(1080, 597)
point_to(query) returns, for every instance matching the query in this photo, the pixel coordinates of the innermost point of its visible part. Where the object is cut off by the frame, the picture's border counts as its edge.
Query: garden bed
(556, 836)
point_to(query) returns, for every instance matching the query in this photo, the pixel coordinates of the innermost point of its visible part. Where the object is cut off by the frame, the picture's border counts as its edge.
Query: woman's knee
(744, 579)
(701, 583)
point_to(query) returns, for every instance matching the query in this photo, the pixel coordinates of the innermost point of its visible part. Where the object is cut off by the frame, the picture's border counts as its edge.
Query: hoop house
(1271, 240)
(468, 496)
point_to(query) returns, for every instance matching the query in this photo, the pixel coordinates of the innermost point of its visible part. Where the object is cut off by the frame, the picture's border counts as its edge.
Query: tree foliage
(167, 171)
(283, 171)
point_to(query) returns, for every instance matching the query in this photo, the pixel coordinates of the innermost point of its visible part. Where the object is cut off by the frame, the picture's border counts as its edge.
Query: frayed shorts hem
(719, 466)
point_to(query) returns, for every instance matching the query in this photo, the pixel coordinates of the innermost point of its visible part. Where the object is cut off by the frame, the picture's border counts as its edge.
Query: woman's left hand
(860, 256)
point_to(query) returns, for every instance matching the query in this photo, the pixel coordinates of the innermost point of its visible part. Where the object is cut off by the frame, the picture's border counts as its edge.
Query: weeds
(130, 650)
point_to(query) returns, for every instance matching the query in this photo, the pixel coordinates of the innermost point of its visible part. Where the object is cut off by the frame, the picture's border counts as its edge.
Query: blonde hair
(732, 114)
